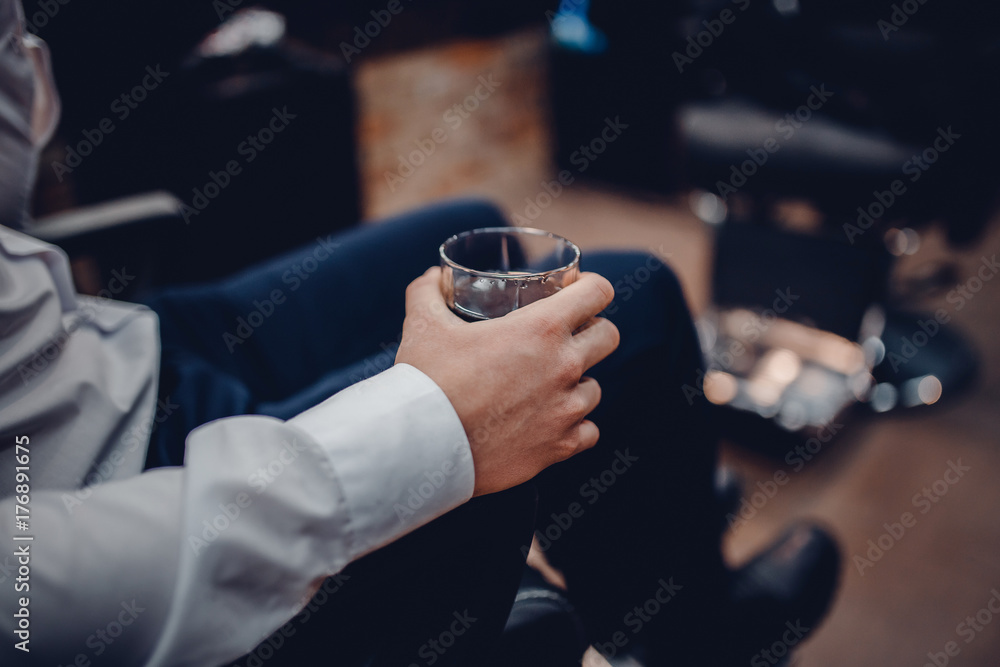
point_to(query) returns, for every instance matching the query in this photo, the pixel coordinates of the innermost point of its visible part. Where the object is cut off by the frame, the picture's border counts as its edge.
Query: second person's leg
(633, 523)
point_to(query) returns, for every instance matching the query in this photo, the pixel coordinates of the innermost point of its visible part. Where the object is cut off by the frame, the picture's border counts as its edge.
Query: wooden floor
(945, 567)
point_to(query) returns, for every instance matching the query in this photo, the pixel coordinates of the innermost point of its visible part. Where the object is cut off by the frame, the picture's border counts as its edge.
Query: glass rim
(528, 231)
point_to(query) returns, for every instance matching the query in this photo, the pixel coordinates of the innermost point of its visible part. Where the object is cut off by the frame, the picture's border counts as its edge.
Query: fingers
(580, 301)
(590, 391)
(424, 299)
(596, 340)
(589, 434)
(586, 435)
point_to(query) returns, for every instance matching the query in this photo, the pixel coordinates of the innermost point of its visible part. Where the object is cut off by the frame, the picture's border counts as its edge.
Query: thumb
(424, 299)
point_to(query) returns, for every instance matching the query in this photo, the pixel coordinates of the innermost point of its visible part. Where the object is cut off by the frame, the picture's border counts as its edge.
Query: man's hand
(516, 382)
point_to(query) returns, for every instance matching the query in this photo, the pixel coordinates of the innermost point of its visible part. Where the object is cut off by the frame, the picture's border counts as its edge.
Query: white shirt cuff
(399, 450)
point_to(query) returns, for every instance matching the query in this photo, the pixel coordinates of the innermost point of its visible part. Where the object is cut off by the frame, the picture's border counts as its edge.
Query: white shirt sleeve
(196, 565)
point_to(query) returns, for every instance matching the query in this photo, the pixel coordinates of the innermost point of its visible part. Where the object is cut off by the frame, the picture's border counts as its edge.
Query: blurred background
(821, 175)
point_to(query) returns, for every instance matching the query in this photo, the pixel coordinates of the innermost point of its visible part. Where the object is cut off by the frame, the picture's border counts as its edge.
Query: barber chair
(795, 124)
(251, 133)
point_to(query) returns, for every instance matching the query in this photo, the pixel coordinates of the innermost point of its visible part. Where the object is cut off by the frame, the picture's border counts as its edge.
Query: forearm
(221, 552)
(187, 553)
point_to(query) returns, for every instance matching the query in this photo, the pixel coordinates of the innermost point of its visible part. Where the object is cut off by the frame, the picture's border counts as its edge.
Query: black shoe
(781, 595)
(774, 601)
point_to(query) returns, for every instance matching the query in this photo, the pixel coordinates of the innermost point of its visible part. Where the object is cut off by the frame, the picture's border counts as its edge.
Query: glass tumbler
(489, 272)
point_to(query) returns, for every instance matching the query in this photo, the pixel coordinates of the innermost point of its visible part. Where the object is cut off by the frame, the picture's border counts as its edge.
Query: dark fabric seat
(800, 153)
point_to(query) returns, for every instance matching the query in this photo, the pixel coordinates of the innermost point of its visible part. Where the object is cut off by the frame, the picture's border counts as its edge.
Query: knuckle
(604, 288)
(614, 333)
(569, 367)
(549, 326)
(568, 445)
(571, 411)
(576, 407)
(598, 392)
(415, 321)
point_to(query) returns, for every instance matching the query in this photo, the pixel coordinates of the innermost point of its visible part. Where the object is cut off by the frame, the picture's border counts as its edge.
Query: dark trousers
(632, 522)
